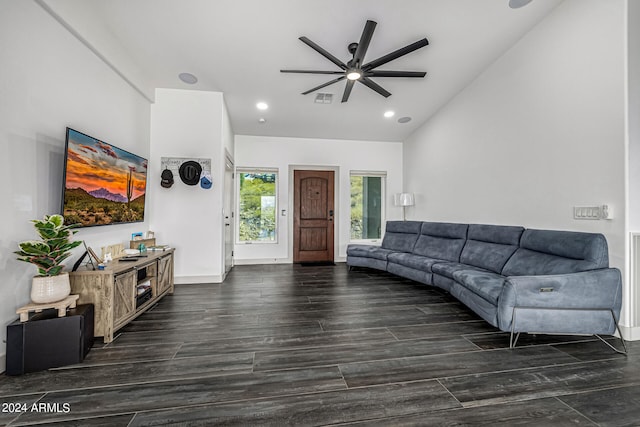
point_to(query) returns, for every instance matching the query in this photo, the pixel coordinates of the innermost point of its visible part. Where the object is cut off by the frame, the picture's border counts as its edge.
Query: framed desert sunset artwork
(103, 184)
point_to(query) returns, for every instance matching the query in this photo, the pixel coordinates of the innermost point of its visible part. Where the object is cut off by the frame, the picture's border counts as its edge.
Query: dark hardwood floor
(291, 345)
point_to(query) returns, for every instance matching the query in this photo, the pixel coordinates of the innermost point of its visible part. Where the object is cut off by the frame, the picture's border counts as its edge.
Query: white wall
(190, 124)
(633, 162)
(540, 131)
(343, 155)
(49, 80)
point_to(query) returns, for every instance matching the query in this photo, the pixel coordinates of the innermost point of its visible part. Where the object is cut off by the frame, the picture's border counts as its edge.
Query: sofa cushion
(368, 251)
(490, 246)
(557, 252)
(413, 261)
(447, 269)
(485, 284)
(401, 235)
(441, 240)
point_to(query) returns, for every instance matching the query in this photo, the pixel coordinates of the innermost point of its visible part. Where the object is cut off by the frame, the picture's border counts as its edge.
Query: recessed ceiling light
(262, 105)
(515, 4)
(404, 119)
(389, 114)
(188, 78)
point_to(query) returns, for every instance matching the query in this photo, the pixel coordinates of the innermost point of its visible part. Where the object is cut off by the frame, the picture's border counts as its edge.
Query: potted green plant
(51, 284)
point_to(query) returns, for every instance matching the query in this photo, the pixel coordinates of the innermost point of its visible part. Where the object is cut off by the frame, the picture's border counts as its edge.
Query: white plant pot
(50, 288)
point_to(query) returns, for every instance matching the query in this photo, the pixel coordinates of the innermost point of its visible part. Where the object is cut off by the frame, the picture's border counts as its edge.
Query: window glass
(257, 206)
(366, 207)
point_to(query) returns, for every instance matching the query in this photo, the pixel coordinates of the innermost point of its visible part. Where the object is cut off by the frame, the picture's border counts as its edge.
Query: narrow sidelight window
(257, 206)
(367, 210)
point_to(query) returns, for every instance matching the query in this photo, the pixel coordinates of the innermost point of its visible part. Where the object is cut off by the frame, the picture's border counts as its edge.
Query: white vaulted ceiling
(239, 46)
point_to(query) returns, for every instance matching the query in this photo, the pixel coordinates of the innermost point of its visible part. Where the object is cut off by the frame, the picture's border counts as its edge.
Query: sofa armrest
(585, 291)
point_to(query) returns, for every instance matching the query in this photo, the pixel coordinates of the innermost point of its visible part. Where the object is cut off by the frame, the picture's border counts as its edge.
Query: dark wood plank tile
(615, 407)
(103, 401)
(543, 381)
(111, 355)
(329, 355)
(12, 406)
(186, 334)
(320, 339)
(535, 413)
(442, 329)
(108, 421)
(126, 373)
(442, 366)
(190, 360)
(312, 409)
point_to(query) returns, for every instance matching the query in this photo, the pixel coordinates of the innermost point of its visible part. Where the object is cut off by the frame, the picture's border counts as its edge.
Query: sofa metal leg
(513, 339)
(624, 344)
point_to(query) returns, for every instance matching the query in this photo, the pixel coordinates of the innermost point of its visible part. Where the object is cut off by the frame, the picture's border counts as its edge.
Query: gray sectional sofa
(518, 280)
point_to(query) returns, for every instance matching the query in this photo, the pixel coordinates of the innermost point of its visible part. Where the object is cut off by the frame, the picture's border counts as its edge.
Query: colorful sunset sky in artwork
(93, 164)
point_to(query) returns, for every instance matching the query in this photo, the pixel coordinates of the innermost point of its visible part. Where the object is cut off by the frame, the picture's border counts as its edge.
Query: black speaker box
(48, 341)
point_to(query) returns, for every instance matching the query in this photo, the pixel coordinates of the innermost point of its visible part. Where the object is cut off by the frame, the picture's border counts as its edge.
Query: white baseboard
(259, 261)
(630, 333)
(187, 280)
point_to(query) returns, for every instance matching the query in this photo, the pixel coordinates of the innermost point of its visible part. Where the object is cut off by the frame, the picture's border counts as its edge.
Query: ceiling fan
(355, 70)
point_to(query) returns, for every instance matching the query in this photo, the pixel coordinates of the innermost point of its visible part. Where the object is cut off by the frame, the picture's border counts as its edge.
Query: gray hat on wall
(167, 178)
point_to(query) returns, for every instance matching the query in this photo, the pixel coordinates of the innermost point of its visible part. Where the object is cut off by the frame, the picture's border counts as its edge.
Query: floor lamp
(404, 200)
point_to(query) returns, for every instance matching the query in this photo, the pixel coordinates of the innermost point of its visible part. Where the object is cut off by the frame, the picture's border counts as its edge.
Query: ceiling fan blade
(324, 85)
(363, 45)
(323, 52)
(347, 90)
(381, 73)
(395, 54)
(311, 72)
(373, 85)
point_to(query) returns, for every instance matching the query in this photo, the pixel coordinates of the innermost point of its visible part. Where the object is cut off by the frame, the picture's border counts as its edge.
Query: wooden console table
(124, 289)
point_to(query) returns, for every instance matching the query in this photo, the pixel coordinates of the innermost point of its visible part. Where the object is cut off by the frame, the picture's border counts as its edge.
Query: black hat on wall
(167, 178)
(190, 172)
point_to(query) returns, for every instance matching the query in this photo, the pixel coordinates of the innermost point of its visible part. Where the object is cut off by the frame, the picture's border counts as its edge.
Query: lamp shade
(404, 199)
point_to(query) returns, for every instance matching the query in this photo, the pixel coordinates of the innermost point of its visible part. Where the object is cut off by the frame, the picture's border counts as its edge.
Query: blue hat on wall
(205, 179)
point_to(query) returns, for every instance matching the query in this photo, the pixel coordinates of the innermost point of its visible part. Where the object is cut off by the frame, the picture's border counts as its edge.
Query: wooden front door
(313, 216)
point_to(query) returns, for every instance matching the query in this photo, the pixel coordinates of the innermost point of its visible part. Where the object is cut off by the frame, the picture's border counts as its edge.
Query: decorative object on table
(51, 284)
(136, 236)
(190, 172)
(404, 200)
(88, 252)
(151, 234)
(116, 251)
(135, 244)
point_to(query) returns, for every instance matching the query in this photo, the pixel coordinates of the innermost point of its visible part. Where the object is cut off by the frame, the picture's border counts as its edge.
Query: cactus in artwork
(129, 187)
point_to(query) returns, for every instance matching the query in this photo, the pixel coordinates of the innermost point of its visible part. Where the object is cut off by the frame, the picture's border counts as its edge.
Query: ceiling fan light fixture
(262, 106)
(354, 75)
(389, 114)
(516, 4)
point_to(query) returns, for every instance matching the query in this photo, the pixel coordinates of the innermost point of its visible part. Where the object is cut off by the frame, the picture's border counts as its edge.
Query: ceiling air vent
(323, 98)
